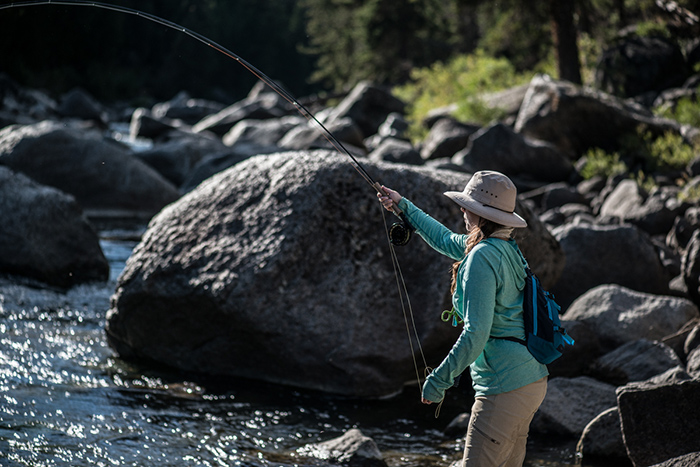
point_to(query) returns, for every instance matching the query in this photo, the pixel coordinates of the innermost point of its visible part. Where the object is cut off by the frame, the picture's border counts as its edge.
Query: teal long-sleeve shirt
(489, 299)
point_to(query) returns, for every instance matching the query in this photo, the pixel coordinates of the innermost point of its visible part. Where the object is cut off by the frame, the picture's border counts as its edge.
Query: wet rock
(635, 361)
(598, 255)
(637, 65)
(446, 137)
(458, 426)
(261, 107)
(396, 150)
(352, 449)
(100, 174)
(575, 119)
(619, 315)
(570, 405)
(45, 236)
(602, 439)
(368, 106)
(659, 421)
(228, 280)
(498, 147)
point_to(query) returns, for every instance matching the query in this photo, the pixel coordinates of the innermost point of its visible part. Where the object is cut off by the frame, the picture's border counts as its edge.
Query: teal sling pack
(545, 338)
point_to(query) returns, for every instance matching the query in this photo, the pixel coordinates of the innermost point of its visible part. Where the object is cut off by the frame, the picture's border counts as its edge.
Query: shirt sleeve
(479, 282)
(435, 234)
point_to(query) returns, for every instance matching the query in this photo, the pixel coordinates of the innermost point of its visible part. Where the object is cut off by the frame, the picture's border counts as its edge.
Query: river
(67, 400)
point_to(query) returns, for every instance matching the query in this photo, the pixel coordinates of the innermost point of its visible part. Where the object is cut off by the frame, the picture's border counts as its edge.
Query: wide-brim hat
(490, 195)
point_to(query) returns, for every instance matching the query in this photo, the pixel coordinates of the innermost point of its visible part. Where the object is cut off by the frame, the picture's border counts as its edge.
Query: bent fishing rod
(399, 232)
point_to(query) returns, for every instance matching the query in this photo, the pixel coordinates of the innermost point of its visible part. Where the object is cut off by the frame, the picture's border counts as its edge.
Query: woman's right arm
(433, 232)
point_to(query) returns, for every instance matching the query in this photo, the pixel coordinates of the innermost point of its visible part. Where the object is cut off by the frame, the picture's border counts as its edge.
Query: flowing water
(67, 400)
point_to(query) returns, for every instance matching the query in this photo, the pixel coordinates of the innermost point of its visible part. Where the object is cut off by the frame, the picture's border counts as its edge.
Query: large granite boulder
(278, 269)
(44, 235)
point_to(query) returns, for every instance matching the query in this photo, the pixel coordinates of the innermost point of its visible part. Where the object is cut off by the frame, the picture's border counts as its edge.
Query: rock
(690, 267)
(261, 107)
(78, 103)
(352, 449)
(559, 194)
(683, 227)
(257, 273)
(185, 108)
(659, 422)
(262, 133)
(692, 342)
(499, 148)
(635, 361)
(637, 65)
(175, 159)
(694, 363)
(446, 137)
(396, 150)
(45, 236)
(575, 119)
(368, 106)
(312, 136)
(577, 360)
(597, 255)
(216, 163)
(570, 405)
(144, 125)
(619, 315)
(654, 214)
(100, 174)
(687, 460)
(395, 126)
(457, 428)
(602, 439)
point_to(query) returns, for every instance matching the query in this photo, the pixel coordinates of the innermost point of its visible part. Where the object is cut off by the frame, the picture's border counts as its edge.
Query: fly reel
(400, 232)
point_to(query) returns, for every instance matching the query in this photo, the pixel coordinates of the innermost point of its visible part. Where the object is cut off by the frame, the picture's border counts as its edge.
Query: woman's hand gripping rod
(399, 232)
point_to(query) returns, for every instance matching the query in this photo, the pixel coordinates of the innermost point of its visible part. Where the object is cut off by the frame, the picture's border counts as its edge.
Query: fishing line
(398, 234)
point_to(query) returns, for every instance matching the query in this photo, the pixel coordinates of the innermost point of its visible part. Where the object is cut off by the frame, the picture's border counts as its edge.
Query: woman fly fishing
(487, 294)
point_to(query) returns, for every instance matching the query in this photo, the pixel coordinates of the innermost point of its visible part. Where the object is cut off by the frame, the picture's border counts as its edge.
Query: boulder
(597, 255)
(690, 267)
(683, 227)
(577, 360)
(395, 126)
(175, 158)
(694, 363)
(352, 449)
(636, 65)
(571, 404)
(368, 106)
(262, 133)
(619, 315)
(692, 341)
(259, 273)
(575, 119)
(216, 163)
(446, 137)
(498, 147)
(687, 460)
(602, 439)
(635, 361)
(312, 136)
(186, 109)
(144, 125)
(396, 150)
(45, 236)
(655, 214)
(100, 174)
(261, 107)
(659, 421)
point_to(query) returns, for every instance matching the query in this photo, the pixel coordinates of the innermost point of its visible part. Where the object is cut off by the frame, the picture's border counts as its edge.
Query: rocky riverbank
(266, 258)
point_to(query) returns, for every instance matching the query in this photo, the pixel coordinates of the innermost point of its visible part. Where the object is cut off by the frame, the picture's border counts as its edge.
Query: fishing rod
(399, 233)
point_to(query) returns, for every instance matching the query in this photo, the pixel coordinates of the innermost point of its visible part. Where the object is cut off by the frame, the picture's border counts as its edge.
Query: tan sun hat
(490, 195)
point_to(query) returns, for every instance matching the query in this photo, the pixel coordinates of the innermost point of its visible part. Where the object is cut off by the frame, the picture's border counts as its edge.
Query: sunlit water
(65, 399)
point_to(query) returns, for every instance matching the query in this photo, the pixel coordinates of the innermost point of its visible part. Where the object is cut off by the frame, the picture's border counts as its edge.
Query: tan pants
(499, 425)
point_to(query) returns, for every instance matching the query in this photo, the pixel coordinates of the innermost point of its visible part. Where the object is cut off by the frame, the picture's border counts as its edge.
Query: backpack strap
(512, 339)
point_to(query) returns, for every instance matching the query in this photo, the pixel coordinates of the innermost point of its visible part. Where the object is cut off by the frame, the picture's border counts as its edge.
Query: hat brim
(509, 219)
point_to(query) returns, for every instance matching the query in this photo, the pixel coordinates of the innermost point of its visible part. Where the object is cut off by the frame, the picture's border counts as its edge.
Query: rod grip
(380, 190)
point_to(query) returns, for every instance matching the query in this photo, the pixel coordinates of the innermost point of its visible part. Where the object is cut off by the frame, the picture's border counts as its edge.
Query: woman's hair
(482, 230)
